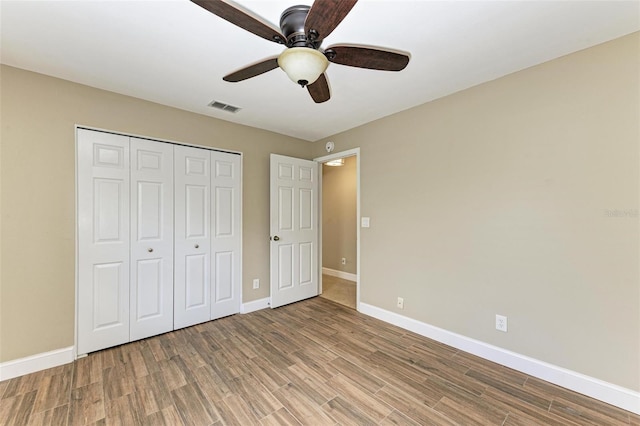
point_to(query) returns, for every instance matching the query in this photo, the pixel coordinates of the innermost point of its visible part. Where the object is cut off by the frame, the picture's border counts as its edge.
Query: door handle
(197, 246)
(150, 250)
(276, 238)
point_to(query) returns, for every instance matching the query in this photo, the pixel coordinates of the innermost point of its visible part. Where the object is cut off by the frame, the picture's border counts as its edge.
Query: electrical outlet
(501, 323)
(256, 283)
(344, 261)
(400, 303)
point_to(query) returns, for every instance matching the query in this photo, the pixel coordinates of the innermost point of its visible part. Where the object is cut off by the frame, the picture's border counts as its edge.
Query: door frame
(354, 152)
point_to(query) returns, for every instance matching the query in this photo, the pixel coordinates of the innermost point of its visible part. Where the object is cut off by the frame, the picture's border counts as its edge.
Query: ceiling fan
(302, 29)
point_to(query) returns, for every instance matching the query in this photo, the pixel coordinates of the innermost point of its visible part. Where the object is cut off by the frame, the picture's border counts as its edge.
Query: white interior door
(226, 274)
(294, 229)
(103, 240)
(151, 296)
(192, 298)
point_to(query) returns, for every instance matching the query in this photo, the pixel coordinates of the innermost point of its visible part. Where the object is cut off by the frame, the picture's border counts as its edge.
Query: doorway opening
(339, 247)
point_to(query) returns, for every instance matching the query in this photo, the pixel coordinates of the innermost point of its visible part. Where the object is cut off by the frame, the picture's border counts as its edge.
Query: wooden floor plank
(265, 373)
(354, 352)
(87, 404)
(413, 407)
(3, 386)
(53, 392)
(314, 355)
(397, 418)
(168, 416)
(193, 406)
(16, 410)
(364, 378)
(153, 395)
(490, 368)
(313, 386)
(309, 363)
(281, 417)
(23, 384)
(124, 410)
(258, 399)
(234, 410)
(520, 410)
(54, 417)
(360, 398)
(117, 382)
(515, 391)
(88, 370)
(302, 407)
(471, 412)
(582, 413)
(579, 402)
(345, 413)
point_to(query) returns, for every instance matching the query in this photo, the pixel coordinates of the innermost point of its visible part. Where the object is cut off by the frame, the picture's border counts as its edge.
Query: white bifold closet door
(207, 252)
(159, 237)
(125, 239)
(103, 240)
(225, 229)
(192, 236)
(151, 280)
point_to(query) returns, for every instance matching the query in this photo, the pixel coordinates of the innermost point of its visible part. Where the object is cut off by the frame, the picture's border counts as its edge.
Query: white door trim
(343, 154)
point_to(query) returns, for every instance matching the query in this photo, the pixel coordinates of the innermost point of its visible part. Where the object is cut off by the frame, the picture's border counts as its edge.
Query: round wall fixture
(329, 146)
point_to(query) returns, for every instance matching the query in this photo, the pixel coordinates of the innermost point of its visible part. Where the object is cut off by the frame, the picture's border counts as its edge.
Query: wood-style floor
(314, 362)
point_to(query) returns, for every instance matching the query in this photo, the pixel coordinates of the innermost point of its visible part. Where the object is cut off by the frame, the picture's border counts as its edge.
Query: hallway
(339, 290)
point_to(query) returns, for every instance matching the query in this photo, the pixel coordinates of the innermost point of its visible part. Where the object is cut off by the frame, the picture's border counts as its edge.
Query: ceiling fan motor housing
(292, 26)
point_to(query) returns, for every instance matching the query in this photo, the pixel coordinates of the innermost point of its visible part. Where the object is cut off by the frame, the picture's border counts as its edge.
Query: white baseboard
(340, 274)
(609, 393)
(255, 305)
(33, 363)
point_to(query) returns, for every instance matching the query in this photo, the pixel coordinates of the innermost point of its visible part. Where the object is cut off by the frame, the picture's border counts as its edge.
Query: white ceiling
(176, 53)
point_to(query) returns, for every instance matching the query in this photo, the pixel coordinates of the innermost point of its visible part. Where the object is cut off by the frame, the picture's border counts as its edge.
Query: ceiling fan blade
(374, 58)
(252, 70)
(319, 89)
(242, 18)
(325, 15)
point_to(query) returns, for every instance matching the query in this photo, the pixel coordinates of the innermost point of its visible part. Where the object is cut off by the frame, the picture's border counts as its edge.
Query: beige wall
(517, 197)
(37, 275)
(339, 220)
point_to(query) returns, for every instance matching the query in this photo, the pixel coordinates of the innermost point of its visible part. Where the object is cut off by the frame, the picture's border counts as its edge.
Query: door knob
(150, 250)
(197, 246)
(276, 238)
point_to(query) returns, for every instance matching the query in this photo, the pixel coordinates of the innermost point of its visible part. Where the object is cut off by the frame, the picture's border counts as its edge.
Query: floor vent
(224, 107)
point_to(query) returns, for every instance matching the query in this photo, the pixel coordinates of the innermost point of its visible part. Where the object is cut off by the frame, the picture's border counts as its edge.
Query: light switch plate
(364, 222)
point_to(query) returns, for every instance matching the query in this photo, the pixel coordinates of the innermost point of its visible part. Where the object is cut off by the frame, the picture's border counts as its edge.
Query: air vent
(224, 107)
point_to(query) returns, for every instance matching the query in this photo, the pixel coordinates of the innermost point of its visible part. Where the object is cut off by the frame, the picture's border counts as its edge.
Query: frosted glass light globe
(303, 65)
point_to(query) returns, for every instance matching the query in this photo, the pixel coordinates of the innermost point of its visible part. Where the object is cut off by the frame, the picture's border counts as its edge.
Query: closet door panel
(195, 277)
(192, 294)
(151, 296)
(103, 240)
(226, 275)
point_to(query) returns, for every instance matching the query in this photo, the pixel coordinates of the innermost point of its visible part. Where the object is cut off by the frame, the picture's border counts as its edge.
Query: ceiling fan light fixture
(303, 65)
